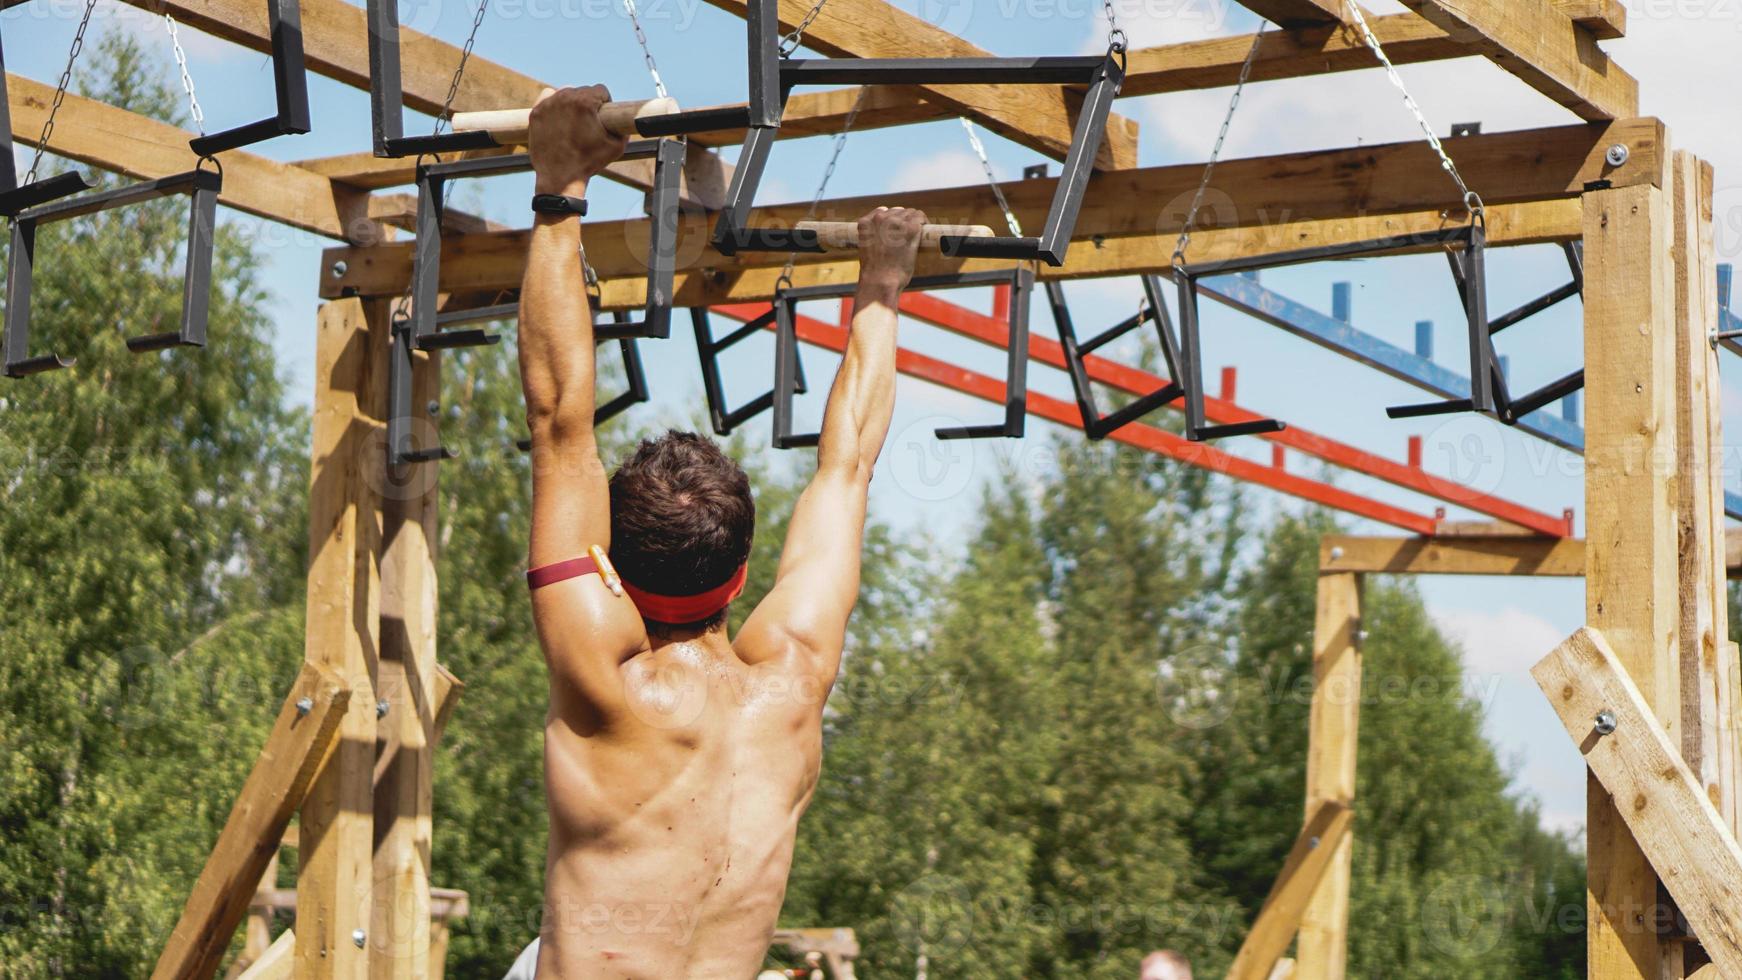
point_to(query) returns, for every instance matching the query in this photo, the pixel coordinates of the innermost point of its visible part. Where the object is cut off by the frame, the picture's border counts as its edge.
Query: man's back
(672, 826)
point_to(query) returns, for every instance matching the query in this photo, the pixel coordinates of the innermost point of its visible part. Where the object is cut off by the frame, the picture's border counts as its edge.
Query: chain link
(790, 42)
(1185, 232)
(187, 80)
(60, 91)
(828, 172)
(447, 113)
(1471, 199)
(646, 52)
(1116, 40)
(991, 179)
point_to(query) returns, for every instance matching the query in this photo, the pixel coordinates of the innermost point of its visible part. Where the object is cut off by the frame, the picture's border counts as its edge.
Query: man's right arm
(817, 584)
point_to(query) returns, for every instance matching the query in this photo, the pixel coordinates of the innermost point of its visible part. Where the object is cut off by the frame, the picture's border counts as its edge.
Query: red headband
(661, 608)
(688, 608)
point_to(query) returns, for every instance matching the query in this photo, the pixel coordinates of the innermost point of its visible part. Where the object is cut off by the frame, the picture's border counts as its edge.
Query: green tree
(153, 511)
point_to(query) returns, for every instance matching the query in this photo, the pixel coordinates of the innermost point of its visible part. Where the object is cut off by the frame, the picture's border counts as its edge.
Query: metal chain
(1185, 232)
(460, 69)
(828, 172)
(1471, 199)
(790, 42)
(646, 52)
(1116, 40)
(991, 179)
(187, 80)
(60, 91)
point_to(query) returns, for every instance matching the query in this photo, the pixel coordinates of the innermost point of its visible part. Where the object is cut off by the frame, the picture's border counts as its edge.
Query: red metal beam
(978, 326)
(1160, 441)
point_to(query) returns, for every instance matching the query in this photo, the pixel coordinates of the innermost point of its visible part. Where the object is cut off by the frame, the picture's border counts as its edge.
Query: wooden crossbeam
(137, 146)
(1297, 13)
(1542, 46)
(1279, 917)
(336, 45)
(1037, 116)
(492, 263)
(299, 740)
(1686, 840)
(1453, 556)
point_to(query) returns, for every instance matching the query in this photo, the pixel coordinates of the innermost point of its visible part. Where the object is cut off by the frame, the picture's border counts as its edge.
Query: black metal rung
(1106, 425)
(1114, 332)
(435, 455)
(1554, 391)
(940, 71)
(245, 135)
(695, 121)
(750, 328)
(157, 341)
(406, 146)
(1533, 307)
(451, 339)
(621, 330)
(37, 365)
(483, 314)
(971, 432)
(42, 191)
(799, 441)
(1430, 408)
(1210, 433)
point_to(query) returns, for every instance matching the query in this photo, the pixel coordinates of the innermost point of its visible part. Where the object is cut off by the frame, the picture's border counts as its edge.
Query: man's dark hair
(682, 519)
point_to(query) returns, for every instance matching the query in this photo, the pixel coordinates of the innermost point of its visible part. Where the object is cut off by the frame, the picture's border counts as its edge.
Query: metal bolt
(1312, 843)
(304, 706)
(1617, 155)
(1361, 636)
(359, 937)
(433, 407)
(1336, 554)
(339, 269)
(381, 708)
(1606, 722)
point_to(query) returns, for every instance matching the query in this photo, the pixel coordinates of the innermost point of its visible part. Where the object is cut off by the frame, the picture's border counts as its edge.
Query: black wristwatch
(558, 204)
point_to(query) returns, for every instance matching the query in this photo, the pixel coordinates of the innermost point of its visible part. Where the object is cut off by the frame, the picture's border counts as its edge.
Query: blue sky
(1685, 56)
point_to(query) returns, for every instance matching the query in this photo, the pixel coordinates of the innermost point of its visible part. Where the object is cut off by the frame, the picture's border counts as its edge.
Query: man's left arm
(587, 631)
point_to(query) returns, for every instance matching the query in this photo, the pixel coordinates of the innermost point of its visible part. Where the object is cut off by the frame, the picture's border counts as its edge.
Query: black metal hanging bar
(289, 84)
(1096, 425)
(426, 328)
(201, 186)
(787, 371)
(708, 350)
(773, 77)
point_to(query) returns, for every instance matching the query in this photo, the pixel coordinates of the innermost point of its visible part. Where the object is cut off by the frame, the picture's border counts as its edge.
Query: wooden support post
(1322, 953)
(334, 868)
(1635, 759)
(1631, 565)
(299, 740)
(1316, 852)
(1708, 674)
(399, 934)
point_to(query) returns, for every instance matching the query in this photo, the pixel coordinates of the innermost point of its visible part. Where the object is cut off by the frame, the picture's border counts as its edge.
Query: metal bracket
(787, 375)
(201, 186)
(772, 79)
(426, 327)
(289, 82)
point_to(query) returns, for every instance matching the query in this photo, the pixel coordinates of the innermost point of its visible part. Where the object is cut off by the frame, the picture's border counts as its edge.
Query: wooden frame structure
(353, 746)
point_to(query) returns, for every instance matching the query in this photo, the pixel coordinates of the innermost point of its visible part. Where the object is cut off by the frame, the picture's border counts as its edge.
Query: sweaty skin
(676, 768)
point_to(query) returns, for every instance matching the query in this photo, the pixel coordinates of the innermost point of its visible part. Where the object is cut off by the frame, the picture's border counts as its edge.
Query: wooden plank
(1452, 556)
(1333, 730)
(132, 145)
(448, 689)
(1039, 117)
(1483, 529)
(491, 263)
(1708, 676)
(336, 45)
(1284, 970)
(1297, 13)
(1310, 861)
(336, 839)
(1541, 45)
(275, 787)
(399, 947)
(1686, 840)
(1604, 20)
(1631, 581)
(278, 962)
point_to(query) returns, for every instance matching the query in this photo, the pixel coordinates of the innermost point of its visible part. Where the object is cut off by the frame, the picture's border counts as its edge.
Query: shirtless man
(678, 759)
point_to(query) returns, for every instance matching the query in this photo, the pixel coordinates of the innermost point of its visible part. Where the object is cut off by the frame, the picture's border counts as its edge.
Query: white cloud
(949, 168)
(1497, 641)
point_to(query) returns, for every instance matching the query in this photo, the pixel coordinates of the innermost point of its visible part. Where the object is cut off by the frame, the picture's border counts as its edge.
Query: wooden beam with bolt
(1688, 844)
(1333, 729)
(1310, 861)
(304, 732)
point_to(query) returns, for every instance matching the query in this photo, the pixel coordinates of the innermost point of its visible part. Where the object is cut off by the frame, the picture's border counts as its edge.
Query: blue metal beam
(1246, 295)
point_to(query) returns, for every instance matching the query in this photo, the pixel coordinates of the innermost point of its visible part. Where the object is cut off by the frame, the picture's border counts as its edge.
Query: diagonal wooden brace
(1280, 915)
(1679, 830)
